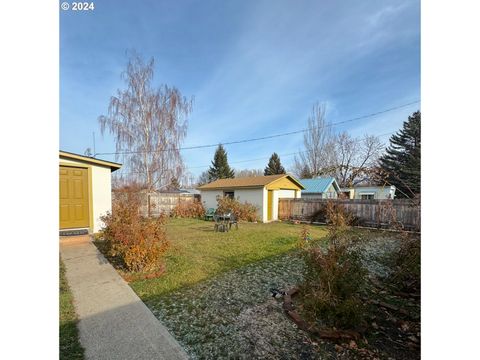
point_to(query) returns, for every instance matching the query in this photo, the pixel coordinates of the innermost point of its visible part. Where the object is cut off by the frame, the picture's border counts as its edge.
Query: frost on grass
(375, 250)
(234, 315)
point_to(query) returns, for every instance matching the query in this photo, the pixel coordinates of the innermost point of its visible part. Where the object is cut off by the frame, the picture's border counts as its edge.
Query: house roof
(367, 187)
(319, 185)
(89, 160)
(248, 182)
(173, 191)
(374, 186)
(191, 191)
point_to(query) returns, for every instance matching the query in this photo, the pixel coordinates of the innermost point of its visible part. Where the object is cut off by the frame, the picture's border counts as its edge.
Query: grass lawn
(198, 253)
(234, 314)
(70, 347)
(215, 298)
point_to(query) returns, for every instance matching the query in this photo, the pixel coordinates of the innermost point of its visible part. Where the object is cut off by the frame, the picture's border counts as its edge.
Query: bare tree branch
(148, 125)
(341, 156)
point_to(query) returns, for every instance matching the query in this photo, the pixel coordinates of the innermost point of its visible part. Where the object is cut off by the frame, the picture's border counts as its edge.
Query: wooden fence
(164, 202)
(160, 202)
(371, 213)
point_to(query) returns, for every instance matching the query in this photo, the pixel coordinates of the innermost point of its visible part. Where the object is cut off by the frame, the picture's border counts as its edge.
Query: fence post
(148, 205)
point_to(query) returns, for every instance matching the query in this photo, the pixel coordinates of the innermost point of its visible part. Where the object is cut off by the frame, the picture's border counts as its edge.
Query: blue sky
(255, 68)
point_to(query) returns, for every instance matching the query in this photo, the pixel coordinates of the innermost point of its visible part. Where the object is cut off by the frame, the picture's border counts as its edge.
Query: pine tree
(401, 163)
(220, 168)
(274, 166)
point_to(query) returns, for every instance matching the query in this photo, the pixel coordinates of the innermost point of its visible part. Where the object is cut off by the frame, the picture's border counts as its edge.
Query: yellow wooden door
(73, 197)
(269, 205)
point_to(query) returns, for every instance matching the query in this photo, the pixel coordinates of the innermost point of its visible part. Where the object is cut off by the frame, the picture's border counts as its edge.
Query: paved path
(113, 322)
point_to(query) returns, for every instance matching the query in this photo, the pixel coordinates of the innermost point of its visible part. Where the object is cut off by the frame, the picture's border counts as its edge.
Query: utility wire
(280, 155)
(246, 161)
(263, 137)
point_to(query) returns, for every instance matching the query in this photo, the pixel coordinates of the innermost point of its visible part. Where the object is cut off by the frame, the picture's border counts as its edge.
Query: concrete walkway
(113, 322)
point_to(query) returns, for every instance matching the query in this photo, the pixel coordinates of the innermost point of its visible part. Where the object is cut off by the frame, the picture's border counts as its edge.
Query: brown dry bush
(319, 215)
(406, 267)
(189, 209)
(242, 211)
(135, 242)
(305, 238)
(406, 260)
(322, 214)
(334, 276)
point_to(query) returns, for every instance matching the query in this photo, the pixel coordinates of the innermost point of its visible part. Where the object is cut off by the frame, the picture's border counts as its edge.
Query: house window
(230, 194)
(367, 196)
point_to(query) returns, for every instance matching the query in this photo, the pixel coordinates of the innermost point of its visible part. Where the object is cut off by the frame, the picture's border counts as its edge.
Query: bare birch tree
(348, 159)
(188, 180)
(149, 125)
(354, 158)
(318, 142)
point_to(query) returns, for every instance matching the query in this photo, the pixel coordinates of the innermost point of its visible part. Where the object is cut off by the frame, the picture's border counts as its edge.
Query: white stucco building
(261, 191)
(361, 192)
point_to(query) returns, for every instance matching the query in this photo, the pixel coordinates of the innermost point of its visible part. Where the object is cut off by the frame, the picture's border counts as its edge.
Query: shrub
(406, 265)
(242, 211)
(305, 237)
(135, 242)
(188, 209)
(334, 276)
(406, 260)
(333, 280)
(321, 215)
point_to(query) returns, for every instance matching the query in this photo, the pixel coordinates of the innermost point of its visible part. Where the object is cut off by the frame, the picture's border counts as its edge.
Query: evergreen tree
(220, 168)
(274, 166)
(401, 163)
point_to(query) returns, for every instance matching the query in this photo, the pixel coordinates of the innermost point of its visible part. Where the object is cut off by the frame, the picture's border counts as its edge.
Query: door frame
(89, 189)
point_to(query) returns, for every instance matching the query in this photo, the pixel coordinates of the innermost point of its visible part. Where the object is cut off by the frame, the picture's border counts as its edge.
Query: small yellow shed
(85, 191)
(261, 191)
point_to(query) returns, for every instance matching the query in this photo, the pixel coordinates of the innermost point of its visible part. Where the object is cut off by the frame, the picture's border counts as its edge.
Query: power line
(249, 160)
(263, 137)
(282, 155)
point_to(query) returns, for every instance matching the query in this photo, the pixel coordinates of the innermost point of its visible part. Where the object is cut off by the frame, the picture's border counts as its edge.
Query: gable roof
(89, 160)
(319, 185)
(248, 182)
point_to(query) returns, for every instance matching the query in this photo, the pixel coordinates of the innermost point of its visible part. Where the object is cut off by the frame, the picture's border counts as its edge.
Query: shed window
(367, 196)
(230, 194)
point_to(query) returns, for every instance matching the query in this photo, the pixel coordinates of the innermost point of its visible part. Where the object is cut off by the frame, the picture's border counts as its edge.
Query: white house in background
(362, 192)
(261, 191)
(320, 188)
(85, 191)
